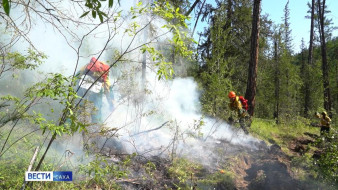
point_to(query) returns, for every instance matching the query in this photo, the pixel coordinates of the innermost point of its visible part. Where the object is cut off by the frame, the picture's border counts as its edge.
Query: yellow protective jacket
(325, 121)
(236, 104)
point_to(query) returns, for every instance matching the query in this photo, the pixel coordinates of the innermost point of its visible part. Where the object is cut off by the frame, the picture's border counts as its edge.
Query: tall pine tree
(326, 83)
(253, 63)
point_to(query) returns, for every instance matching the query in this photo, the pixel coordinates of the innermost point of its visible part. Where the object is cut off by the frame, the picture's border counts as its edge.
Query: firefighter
(324, 122)
(93, 84)
(238, 104)
(235, 104)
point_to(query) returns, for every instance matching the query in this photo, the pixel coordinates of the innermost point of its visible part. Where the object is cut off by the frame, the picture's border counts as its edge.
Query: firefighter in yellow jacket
(324, 122)
(236, 104)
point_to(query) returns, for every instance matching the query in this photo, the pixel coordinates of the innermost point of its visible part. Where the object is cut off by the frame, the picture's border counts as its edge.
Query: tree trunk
(311, 33)
(327, 95)
(336, 87)
(146, 37)
(276, 113)
(192, 8)
(229, 16)
(310, 63)
(305, 75)
(144, 67)
(252, 73)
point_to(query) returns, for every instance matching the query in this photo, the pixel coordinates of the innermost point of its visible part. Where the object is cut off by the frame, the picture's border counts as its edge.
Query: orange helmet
(232, 94)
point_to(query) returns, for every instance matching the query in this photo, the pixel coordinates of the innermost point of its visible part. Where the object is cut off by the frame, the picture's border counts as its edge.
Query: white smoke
(177, 103)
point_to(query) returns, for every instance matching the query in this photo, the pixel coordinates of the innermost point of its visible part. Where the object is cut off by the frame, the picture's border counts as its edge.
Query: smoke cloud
(175, 125)
(165, 119)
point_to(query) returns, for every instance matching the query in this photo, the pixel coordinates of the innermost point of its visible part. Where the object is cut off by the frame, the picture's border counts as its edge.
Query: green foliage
(57, 88)
(289, 86)
(283, 133)
(103, 173)
(216, 86)
(190, 175)
(265, 96)
(138, 10)
(214, 75)
(150, 167)
(327, 165)
(222, 67)
(16, 61)
(13, 170)
(165, 69)
(332, 49)
(184, 171)
(302, 166)
(324, 169)
(316, 87)
(6, 4)
(19, 61)
(95, 7)
(179, 41)
(15, 162)
(220, 180)
(175, 23)
(13, 108)
(224, 55)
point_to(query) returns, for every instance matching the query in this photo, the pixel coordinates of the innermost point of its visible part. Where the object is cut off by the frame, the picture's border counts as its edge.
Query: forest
(135, 95)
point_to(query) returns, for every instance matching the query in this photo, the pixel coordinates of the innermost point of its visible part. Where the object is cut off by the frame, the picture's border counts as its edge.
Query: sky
(299, 25)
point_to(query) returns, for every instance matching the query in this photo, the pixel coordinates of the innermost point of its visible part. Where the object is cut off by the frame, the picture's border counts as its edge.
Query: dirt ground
(259, 168)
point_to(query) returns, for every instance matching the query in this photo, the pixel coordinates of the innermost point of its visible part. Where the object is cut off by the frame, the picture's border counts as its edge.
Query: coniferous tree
(287, 51)
(310, 57)
(332, 49)
(214, 73)
(304, 73)
(276, 42)
(252, 73)
(289, 73)
(326, 84)
(225, 45)
(309, 63)
(287, 29)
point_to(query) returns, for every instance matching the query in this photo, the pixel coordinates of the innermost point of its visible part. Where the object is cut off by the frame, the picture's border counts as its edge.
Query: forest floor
(278, 161)
(269, 165)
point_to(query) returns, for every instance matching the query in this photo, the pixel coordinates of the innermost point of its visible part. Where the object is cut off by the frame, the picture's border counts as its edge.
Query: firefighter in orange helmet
(238, 104)
(235, 104)
(93, 84)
